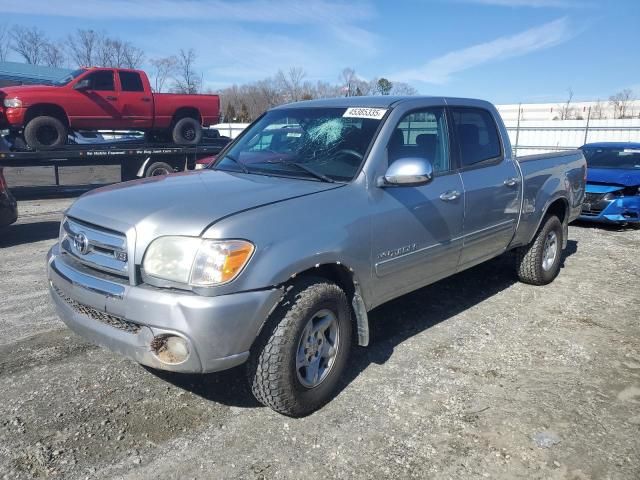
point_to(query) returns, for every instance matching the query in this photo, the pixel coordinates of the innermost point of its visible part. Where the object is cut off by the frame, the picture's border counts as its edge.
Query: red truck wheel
(187, 131)
(45, 133)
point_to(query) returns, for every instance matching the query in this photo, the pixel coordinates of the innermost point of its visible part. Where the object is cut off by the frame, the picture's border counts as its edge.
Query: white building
(600, 110)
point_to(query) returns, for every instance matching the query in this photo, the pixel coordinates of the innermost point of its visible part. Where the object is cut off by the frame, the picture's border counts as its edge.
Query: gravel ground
(476, 376)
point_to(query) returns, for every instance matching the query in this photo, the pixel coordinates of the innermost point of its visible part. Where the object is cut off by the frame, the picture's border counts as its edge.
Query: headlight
(12, 102)
(195, 261)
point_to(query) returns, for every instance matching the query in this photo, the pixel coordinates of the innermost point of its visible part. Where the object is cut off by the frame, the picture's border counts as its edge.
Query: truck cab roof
(380, 101)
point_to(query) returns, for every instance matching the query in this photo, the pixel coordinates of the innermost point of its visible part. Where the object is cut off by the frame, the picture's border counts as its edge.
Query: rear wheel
(297, 361)
(539, 262)
(157, 169)
(45, 133)
(187, 131)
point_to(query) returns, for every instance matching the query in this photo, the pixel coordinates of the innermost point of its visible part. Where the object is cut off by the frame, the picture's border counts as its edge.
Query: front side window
(311, 143)
(101, 80)
(422, 133)
(130, 82)
(477, 135)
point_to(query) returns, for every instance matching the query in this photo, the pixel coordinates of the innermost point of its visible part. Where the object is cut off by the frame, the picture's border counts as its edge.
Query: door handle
(449, 195)
(111, 97)
(145, 99)
(511, 182)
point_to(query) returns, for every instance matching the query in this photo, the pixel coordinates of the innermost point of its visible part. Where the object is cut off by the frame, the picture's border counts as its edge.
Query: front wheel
(539, 262)
(45, 133)
(298, 359)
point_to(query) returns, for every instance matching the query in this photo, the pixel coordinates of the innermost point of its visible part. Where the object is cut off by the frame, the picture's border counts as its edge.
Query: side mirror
(407, 172)
(82, 84)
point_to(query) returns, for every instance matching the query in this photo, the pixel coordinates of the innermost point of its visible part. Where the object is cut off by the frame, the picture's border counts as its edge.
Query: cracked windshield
(321, 144)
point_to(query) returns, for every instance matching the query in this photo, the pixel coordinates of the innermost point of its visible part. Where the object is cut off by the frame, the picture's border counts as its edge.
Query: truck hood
(18, 90)
(615, 176)
(183, 204)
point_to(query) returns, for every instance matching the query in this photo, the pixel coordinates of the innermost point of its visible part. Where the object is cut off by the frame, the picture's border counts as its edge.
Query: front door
(491, 184)
(417, 231)
(96, 106)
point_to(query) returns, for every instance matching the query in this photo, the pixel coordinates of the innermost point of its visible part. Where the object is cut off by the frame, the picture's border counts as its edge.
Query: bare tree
(53, 55)
(29, 43)
(5, 42)
(347, 76)
(133, 56)
(401, 88)
(291, 83)
(597, 111)
(186, 80)
(83, 47)
(163, 69)
(566, 110)
(621, 102)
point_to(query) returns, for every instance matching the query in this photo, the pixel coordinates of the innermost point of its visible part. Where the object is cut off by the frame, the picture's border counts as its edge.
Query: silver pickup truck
(319, 212)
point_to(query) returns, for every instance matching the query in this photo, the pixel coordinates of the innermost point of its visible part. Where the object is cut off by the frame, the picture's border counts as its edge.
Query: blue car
(613, 183)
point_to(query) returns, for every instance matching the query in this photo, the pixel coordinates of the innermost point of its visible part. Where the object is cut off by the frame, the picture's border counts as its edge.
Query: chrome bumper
(219, 330)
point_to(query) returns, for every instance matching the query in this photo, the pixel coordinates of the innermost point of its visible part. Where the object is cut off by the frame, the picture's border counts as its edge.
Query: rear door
(417, 231)
(491, 184)
(96, 106)
(136, 104)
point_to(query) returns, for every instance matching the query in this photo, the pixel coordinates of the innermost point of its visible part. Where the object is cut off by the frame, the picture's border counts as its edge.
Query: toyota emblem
(81, 242)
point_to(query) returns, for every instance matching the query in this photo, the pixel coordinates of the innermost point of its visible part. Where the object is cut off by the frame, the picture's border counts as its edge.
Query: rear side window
(101, 80)
(477, 135)
(131, 82)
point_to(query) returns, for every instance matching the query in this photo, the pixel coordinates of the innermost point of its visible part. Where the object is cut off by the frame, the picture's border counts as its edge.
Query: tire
(533, 264)
(45, 133)
(157, 169)
(273, 370)
(187, 131)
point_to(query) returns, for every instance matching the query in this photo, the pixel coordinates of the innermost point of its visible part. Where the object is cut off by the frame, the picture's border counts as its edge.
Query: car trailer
(77, 167)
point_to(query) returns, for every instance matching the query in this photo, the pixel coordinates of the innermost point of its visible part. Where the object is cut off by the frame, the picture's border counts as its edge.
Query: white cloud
(441, 69)
(258, 11)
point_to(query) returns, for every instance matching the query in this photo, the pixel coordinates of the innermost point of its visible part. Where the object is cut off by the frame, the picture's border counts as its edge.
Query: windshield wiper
(242, 166)
(305, 168)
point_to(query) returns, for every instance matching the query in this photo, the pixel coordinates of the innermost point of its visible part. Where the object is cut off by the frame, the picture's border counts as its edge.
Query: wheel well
(185, 112)
(336, 273)
(559, 208)
(46, 109)
(343, 277)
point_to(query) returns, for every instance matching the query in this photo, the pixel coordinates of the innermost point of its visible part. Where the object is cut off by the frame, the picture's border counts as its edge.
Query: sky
(505, 51)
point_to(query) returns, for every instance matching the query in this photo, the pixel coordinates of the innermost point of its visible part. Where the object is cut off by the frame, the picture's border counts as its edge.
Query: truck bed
(542, 174)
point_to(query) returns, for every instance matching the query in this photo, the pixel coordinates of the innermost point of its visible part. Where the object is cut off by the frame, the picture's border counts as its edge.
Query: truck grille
(94, 314)
(95, 247)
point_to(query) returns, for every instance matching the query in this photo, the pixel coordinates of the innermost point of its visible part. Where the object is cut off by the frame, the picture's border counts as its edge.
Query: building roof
(25, 73)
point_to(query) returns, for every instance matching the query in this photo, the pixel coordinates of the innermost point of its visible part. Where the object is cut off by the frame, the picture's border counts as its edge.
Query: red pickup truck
(103, 99)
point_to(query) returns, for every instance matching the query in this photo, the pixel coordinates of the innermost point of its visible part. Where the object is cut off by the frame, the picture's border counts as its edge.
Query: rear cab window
(130, 82)
(477, 136)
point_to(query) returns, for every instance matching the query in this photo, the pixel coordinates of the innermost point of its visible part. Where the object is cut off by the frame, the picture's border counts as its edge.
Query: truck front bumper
(128, 319)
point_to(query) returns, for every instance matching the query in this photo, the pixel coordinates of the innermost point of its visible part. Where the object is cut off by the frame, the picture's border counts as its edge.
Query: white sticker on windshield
(364, 112)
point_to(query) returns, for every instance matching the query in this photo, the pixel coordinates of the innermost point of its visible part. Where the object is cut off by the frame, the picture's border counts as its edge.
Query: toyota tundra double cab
(103, 99)
(317, 213)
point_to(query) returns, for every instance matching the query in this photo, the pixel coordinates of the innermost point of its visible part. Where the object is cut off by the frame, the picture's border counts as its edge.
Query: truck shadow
(23, 233)
(390, 325)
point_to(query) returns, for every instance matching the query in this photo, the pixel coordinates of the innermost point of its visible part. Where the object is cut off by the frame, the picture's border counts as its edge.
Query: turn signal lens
(220, 261)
